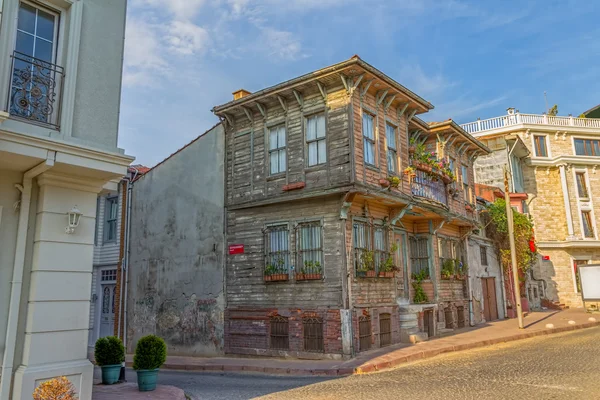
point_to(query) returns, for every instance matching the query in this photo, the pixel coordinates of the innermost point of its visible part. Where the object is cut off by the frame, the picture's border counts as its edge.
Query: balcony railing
(516, 118)
(424, 185)
(35, 90)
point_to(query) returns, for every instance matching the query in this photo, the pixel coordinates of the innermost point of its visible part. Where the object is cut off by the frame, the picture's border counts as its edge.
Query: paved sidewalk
(130, 391)
(391, 356)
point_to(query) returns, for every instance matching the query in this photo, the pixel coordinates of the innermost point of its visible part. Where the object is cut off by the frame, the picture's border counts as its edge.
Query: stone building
(60, 85)
(175, 262)
(332, 208)
(553, 162)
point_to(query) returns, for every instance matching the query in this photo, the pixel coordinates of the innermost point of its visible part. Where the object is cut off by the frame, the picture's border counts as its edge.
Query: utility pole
(513, 250)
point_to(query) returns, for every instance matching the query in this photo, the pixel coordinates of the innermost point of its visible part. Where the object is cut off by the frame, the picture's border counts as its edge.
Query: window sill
(371, 167)
(314, 168)
(276, 176)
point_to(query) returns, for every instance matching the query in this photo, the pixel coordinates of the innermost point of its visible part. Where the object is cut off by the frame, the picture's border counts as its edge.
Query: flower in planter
(394, 181)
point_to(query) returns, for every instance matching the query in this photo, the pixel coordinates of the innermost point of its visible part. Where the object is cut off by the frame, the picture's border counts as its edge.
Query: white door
(107, 311)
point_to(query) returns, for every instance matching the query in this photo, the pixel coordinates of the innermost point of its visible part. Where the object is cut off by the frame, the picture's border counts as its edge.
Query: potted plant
(109, 353)
(461, 269)
(150, 354)
(448, 269)
(276, 271)
(393, 181)
(410, 171)
(468, 207)
(311, 270)
(366, 265)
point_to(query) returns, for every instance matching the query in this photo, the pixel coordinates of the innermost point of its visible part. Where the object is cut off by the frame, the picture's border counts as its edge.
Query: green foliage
(448, 268)
(109, 351)
(498, 231)
(278, 267)
(367, 261)
(553, 111)
(418, 278)
(150, 353)
(582, 115)
(311, 267)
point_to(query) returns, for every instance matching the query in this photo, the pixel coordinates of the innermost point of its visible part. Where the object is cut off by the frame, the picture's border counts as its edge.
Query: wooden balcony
(427, 186)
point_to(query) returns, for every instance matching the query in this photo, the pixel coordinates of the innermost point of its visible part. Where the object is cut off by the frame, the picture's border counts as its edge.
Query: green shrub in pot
(109, 353)
(150, 354)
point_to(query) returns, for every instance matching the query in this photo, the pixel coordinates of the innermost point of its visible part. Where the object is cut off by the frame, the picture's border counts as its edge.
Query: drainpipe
(18, 269)
(127, 251)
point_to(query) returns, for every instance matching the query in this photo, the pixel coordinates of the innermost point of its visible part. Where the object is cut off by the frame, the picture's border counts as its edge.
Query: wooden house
(346, 215)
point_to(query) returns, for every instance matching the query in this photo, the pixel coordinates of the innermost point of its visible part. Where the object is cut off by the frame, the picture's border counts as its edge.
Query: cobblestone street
(561, 366)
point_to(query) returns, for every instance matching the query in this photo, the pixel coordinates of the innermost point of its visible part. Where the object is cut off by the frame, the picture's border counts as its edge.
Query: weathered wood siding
(369, 174)
(248, 173)
(245, 282)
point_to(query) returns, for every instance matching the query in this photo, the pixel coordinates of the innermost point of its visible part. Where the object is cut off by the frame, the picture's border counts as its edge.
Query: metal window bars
(35, 90)
(277, 253)
(313, 334)
(280, 337)
(309, 241)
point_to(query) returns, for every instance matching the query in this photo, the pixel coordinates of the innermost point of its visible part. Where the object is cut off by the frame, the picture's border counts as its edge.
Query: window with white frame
(277, 250)
(310, 247)
(392, 150)
(517, 173)
(540, 146)
(277, 150)
(588, 226)
(315, 139)
(587, 147)
(368, 139)
(111, 209)
(582, 189)
(35, 79)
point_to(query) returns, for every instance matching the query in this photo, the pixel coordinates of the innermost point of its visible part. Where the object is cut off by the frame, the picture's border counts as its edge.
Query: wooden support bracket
(248, 113)
(323, 90)
(262, 109)
(283, 103)
(299, 98)
(397, 216)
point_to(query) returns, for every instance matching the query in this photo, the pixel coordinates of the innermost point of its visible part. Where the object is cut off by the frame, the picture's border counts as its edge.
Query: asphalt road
(562, 366)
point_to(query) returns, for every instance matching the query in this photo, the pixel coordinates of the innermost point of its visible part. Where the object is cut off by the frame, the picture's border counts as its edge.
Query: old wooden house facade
(344, 223)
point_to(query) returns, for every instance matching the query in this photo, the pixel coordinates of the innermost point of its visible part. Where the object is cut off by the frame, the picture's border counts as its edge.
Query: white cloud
(413, 77)
(184, 37)
(180, 9)
(143, 53)
(282, 44)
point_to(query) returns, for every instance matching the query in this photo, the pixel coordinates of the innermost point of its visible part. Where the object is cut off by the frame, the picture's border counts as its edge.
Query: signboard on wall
(589, 275)
(236, 249)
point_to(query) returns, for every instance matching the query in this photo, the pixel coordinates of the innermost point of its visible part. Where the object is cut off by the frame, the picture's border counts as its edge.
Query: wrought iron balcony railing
(429, 187)
(36, 89)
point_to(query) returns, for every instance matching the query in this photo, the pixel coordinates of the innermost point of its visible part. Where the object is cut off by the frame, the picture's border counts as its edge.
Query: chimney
(238, 94)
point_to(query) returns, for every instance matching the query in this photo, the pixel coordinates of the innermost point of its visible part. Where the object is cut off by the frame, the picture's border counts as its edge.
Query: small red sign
(236, 249)
(546, 258)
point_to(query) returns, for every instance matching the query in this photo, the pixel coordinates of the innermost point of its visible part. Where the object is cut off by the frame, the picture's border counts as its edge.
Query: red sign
(546, 258)
(236, 249)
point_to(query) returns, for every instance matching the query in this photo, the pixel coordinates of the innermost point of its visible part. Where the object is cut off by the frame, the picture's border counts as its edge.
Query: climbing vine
(497, 230)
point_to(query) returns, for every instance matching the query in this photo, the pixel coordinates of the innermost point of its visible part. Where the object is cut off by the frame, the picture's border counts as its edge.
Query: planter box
(371, 274)
(294, 186)
(384, 182)
(388, 274)
(308, 277)
(276, 277)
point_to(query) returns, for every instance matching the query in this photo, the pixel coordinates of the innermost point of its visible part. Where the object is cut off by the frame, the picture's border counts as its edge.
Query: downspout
(123, 189)
(512, 177)
(127, 252)
(18, 270)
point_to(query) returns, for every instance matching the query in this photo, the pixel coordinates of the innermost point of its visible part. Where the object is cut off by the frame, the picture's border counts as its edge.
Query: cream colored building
(60, 84)
(555, 178)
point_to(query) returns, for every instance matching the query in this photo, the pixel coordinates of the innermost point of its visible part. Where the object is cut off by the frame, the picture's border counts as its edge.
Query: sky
(470, 59)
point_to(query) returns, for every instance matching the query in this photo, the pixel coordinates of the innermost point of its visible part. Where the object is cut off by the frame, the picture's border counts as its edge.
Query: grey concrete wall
(176, 286)
(99, 70)
(489, 170)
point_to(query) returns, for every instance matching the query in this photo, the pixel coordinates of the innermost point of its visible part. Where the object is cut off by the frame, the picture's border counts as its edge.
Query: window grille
(108, 275)
(484, 258)
(277, 249)
(419, 254)
(364, 332)
(280, 337)
(310, 248)
(385, 329)
(313, 334)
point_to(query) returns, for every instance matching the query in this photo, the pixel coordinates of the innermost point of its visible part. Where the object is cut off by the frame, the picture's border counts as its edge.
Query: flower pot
(267, 278)
(110, 373)
(308, 277)
(384, 182)
(386, 274)
(411, 149)
(371, 274)
(146, 379)
(447, 180)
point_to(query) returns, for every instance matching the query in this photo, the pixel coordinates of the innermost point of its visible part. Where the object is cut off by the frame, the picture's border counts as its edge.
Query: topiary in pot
(109, 353)
(150, 354)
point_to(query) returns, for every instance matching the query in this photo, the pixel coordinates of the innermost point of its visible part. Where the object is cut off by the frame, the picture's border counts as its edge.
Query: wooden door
(402, 264)
(428, 322)
(490, 306)
(107, 316)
